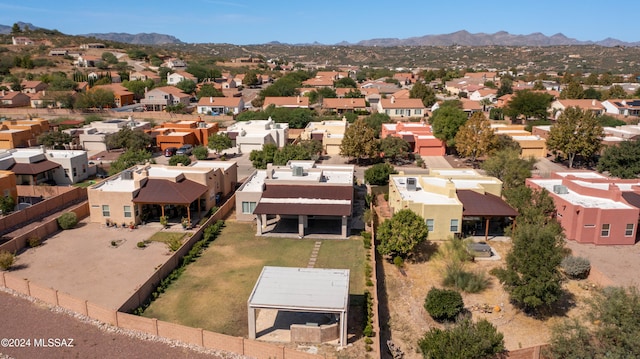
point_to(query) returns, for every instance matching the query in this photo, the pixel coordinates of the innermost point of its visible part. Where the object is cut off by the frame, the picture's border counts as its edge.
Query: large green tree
(528, 103)
(446, 121)
(394, 147)
(400, 235)
(576, 132)
(95, 98)
(610, 328)
(260, 158)
(376, 120)
(622, 160)
(127, 159)
(465, 339)
(573, 90)
(207, 90)
(507, 166)
(53, 139)
(359, 141)
(138, 87)
(378, 174)
(128, 139)
(475, 137)
(423, 92)
(186, 86)
(219, 142)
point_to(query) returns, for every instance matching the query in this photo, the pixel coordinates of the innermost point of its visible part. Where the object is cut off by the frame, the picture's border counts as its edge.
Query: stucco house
(419, 136)
(159, 98)
(220, 105)
(398, 108)
(593, 208)
(453, 202)
(175, 77)
(531, 145)
(252, 135)
(329, 133)
(14, 99)
(624, 107)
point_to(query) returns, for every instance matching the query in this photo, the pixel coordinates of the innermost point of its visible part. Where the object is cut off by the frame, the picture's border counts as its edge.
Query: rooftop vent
(298, 171)
(411, 184)
(560, 189)
(127, 175)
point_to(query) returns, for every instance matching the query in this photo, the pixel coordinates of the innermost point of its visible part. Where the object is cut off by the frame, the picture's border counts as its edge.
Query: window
(605, 230)
(418, 111)
(248, 207)
(387, 112)
(105, 210)
(454, 226)
(398, 112)
(629, 230)
(429, 223)
(75, 173)
(127, 211)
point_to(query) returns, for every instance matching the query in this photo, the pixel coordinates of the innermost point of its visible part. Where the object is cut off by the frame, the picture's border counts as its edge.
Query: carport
(308, 290)
(163, 192)
(485, 206)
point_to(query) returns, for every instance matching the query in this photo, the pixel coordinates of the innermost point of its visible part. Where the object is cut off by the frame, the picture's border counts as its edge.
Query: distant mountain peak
(138, 39)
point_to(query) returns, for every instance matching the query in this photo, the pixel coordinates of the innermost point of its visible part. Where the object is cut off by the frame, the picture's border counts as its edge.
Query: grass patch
(212, 292)
(166, 237)
(84, 184)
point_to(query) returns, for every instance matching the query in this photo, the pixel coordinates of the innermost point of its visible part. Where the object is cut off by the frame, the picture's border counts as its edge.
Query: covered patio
(305, 290)
(163, 193)
(484, 214)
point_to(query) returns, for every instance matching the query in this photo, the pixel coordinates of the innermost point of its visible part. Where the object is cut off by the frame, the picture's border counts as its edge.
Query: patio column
(344, 227)
(301, 220)
(252, 321)
(343, 329)
(259, 225)
(486, 229)
(264, 220)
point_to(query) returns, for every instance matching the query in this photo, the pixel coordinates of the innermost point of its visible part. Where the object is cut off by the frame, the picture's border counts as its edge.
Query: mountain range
(462, 38)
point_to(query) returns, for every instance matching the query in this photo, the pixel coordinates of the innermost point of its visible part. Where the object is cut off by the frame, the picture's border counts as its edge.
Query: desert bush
(141, 244)
(443, 304)
(398, 261)
(68, 220)
(34, 241)
(466, 339)
(174, 244)
(6, 260)
(470, 282)
(576, 267)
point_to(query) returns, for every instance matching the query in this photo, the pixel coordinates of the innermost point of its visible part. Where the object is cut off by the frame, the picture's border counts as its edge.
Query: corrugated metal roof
(477, 204)
(314, 289)
(33, 168)
(169, 192)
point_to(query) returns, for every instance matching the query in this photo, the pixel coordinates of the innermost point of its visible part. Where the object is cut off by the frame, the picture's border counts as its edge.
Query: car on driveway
(170, 151)
(185, 150)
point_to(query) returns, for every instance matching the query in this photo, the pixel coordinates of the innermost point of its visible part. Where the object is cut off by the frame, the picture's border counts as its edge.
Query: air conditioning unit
(560, 189)
(298, 171)
(127, 175)
(412, 184)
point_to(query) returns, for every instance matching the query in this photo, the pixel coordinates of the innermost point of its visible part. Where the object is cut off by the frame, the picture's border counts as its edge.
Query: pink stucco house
(419, 136)
(593, 208)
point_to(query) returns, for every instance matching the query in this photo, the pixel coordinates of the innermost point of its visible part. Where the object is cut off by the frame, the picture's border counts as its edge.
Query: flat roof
(421, 196)
(579, 199)
(214, 164)
(314, 289)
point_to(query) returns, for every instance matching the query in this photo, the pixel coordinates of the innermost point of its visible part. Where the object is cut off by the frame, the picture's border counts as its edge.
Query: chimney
(146, 89)
(269, 170)
(210, 99)
(393, 99)
(3, 93)
(298, 99)
(593, 102)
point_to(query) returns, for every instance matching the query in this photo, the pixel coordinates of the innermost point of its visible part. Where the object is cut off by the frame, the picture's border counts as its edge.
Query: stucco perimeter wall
(301, 333)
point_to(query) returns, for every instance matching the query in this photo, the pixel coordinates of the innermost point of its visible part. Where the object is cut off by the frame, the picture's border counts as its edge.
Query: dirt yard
(408, 320)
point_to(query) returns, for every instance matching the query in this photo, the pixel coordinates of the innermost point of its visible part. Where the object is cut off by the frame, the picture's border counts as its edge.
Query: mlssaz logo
(53, 342)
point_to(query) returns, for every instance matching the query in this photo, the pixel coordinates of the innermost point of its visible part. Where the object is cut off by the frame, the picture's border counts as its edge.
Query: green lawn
(212, 293)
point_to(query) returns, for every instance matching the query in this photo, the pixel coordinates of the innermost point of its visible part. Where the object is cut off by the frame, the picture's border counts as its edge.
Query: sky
(244, 22)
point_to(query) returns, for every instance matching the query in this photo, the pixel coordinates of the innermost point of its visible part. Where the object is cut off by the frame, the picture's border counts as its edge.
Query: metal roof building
(310, 290)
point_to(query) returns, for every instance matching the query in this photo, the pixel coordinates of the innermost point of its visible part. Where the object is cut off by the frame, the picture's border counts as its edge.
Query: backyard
(212, 293)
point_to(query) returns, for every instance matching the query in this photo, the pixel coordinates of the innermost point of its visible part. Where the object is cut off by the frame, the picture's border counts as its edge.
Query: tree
(345, 82)
(207, 90)
(610, 121)
(573, 91)
(475, 137)
(622, 160)
(592, 93)
(127, 159)
(128, 139)
(259, 159)
(466, 339)
(576, 132)
(443, 304)
(423, 92)
(400, 235)
(446, 121)
(109, 58)
(359, 141)
(378, 174)
(219, 142)
(393, 147)
(531, 276)
(528, 103)
(15, 29)
(613, 330)
(95, 98)
(251, 79)
(7, 204)
(187, 86)
(538, 86)
(179, 159)
(138, 87)
(615, 92)
(54, 139)
(376, 120)
(136, 54)
(507, 166)
(201, 152)
(506, 87)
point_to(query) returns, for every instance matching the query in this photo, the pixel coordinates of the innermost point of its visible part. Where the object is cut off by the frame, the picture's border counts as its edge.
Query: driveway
(82, 262)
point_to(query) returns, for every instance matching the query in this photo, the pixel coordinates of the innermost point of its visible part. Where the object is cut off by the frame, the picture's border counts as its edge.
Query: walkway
(314, 254)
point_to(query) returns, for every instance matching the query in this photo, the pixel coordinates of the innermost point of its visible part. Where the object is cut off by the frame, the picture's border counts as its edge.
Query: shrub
(6, 260)
(34, 241)
(466, 339)
(141, 244)
(443, 304)
(68, 220)
(469, 282)
(576, 267)
(366, 240)
(368, 331)
(378, 174)
(174, 244)
(201, 152)
(368, 340)
(398, 261)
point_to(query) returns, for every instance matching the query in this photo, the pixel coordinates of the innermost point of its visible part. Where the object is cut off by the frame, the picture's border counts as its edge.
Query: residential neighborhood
(294, 206)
